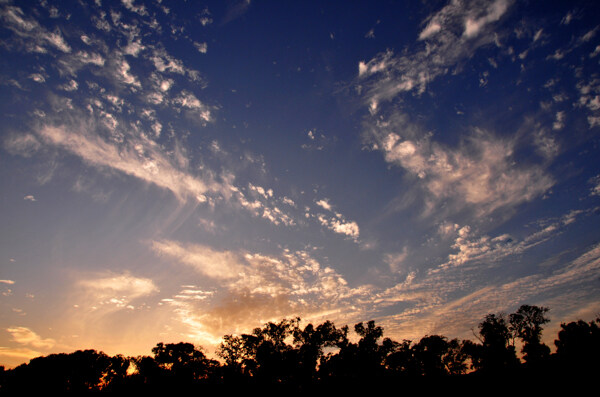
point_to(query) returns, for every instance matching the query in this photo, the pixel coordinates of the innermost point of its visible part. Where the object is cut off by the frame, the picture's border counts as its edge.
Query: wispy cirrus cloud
(32, 36)
(249, 288)
(451, 36)
(481, 172)
(26, 336)
(139, 157)
(111, 292)
(453, 294)
(338, 222)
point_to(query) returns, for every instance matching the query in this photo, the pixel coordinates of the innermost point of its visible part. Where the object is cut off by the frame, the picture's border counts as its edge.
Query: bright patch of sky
(177, 172)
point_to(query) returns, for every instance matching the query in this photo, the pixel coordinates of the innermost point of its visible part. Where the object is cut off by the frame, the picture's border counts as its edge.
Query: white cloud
(25, 336)
(122, 72)
(476, 249)
(431, 29)
(140, 9)
(58, 41)
(324, 203)
(29, 197)
(122, 287)
(289, 201)
(475, 23)
(72, 63)
(395, 261)
(201, 47)
(387, 75)
(545, 144)
(559, 123)
(30, 34)
(248, 289)
(24, 144)
(266, 193)
(10, 282)
(189, 101)
(482, 171)
(139, 157)
(595, 190)
(341, 226)
(214, 264)
(589, 35)
(568, 18)
(164, 62)
(133, 48)
(70, 86)
(37, 77)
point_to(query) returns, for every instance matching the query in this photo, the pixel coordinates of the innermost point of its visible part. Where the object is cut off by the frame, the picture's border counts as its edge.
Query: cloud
(236, 10)
(140, 9)
(139, 157)
(37, 77)
(189, 101)
(122, 286)
(70, 86)
(481, 172)
(338, 223)
(30, 34)
(478, 249)
(201, 47)
(595, 190)
(340, 226)
(324, 203)
(29, 197)
(23, 144)
(451, 35)
(589, 99)
(395, 261)
(444, 302)
(19, 353)
(214, 264)
(262, 204)
(475, 23)
(7, 282)
(25, 336)
(250, 288)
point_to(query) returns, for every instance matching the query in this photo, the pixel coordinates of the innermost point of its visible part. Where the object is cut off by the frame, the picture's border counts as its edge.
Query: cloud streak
(451, 36)
(140, 158)
(26, 336)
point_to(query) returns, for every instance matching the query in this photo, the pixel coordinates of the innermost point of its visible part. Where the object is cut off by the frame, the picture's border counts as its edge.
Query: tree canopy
(286, 354)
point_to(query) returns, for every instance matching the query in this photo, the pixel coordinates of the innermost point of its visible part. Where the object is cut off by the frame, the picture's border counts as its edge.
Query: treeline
(285, 356)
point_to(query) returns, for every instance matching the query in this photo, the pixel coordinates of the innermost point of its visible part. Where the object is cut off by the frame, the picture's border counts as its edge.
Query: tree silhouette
(496, 355)
(526, 324)
(578, 347)
(183, 362)
(282, 357)
(310, 343)
(80, 371)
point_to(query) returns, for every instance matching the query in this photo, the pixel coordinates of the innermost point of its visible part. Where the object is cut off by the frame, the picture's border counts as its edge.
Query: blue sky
(183, 170)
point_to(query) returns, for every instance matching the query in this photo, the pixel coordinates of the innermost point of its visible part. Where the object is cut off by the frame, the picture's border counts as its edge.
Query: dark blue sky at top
(207, 166)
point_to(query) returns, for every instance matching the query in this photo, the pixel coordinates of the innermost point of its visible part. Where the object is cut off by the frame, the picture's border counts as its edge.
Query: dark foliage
(286, 357)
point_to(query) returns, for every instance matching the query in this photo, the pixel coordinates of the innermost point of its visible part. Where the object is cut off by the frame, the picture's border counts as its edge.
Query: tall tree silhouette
(526, 324)
(364, 359)
(495, 355)
(264, 355)
(310, 343)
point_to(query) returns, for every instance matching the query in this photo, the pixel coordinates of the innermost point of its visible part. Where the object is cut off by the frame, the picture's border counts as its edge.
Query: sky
(177, 171)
